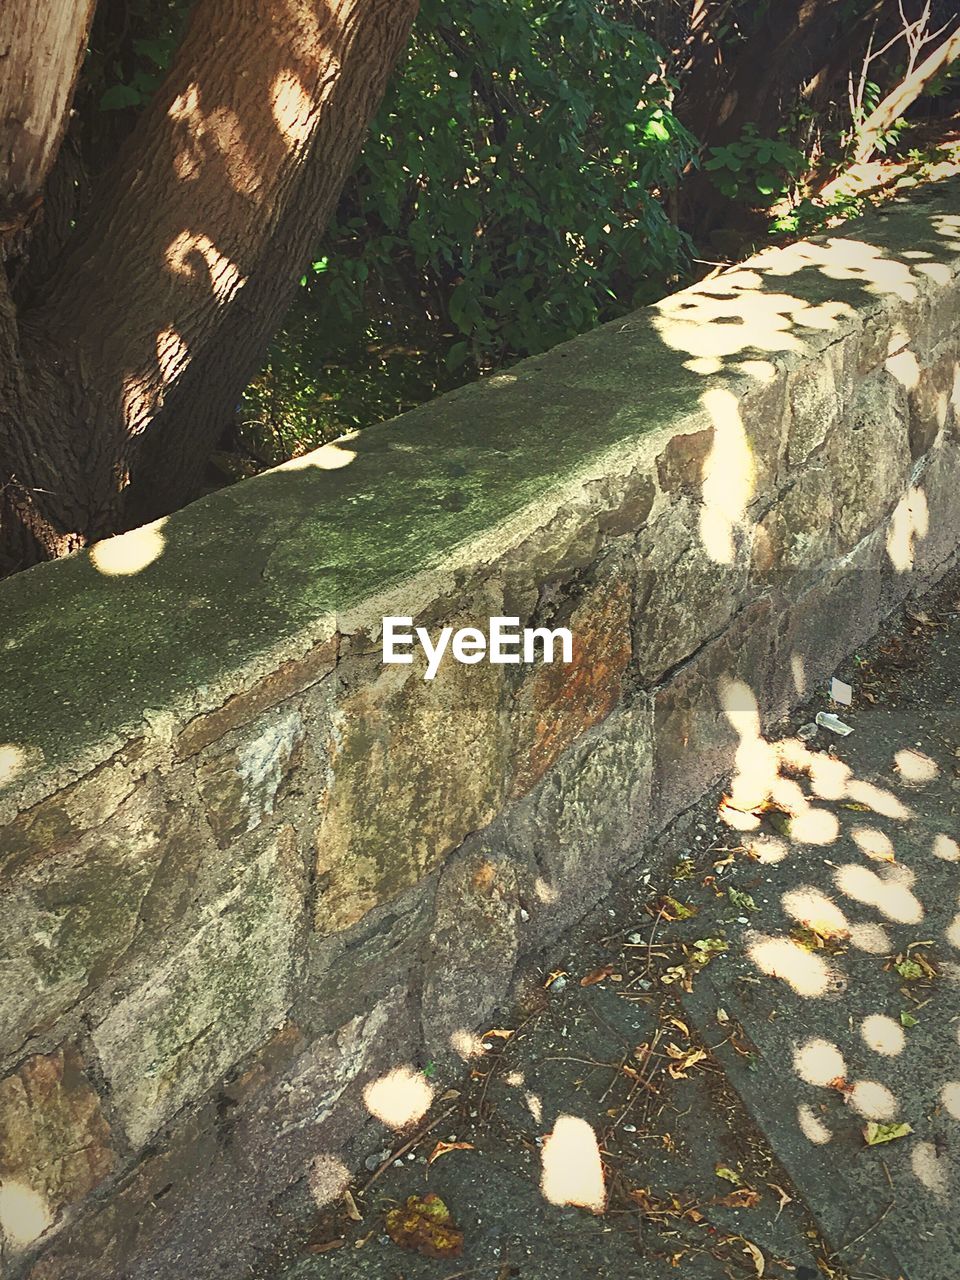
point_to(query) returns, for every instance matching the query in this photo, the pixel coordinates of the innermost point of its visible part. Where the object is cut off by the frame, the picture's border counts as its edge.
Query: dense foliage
(514, 192)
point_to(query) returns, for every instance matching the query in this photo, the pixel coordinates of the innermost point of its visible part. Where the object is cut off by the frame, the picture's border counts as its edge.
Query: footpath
(746, 1065)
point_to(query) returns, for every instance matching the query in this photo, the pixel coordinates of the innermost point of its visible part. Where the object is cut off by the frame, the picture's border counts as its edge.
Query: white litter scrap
(841, 692)
(827, 720)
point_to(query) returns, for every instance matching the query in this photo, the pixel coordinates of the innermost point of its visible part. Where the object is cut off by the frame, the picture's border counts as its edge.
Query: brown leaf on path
(325, 1246)
(758, 1260)
(501, 1033)
(442, 1148)
(742, 1198)
(353, 1213)
(424, 1225)
(598, 975)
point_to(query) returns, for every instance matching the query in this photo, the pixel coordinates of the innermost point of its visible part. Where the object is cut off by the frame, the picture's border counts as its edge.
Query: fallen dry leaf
(442, 1148)
(742, 1198)
(598, 975)
(756, 1255)
(683, 1060)
(784, 1198)
(353, 1213)
(424, 1225)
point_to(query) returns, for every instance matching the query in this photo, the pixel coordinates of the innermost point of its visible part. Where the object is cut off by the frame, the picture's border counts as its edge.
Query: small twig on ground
(402, 1151)
(863, 1234)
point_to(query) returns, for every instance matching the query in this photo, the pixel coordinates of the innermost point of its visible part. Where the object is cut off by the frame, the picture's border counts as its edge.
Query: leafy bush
(514, 178)
(754, 169)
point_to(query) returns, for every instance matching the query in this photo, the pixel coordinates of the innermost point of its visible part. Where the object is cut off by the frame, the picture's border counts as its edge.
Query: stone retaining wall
(248, 870)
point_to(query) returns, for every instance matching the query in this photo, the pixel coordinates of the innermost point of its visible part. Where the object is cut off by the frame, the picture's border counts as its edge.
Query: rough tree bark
(118, 374)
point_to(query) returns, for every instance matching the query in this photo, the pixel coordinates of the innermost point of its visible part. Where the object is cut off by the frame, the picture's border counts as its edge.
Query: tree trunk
(41, 48)
(133, 356)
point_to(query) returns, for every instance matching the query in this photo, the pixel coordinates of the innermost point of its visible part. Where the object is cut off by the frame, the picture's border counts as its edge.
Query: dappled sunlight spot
(871, 938)
(819, 1062)
(811, 907)
(950, 1097)
(24, 1213)
(953, 931)
(728, 477)
(535, 1107)
(905, 367)
(893, 899)
(807, 973)
(399, 1098)
(514, 1079)
(872, 1100)
(327, 1179)
(788, 794)
(13, 761)
(798, 669)
(467, 1045)
(878, 799)
(704, 365)
(182, 254)
(915, 767)
(329, 457)
(829, 777)
(794, 755)
(738, 819)
(740, 707)
(815, 826)
(873, 843)
(768, 849)
(843, 258)
(172, 354)
(290, 104)
(909, 523)
(756, 767)
(811, 1126)
(881, 1034)
(544, 891)
(129, 553)
(929, 1169)
(572, 1172)
(946, 848)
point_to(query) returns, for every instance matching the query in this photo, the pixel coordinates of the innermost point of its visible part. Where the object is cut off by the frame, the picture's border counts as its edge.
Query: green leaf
(875, 1133)
(907, 1019)
(742, 900)
(120, 96)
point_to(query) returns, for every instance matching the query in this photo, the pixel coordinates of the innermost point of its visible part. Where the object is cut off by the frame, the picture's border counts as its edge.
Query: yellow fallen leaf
(876, 1133)
(442, 1148)
(756, 1255)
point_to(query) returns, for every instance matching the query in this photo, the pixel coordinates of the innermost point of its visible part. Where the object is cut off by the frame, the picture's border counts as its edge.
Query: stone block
(870, 459)
(415, 766)
(55, 1146)
(347, 973)
(473, 947)
(930, 403)
(239, 782)
(680, 606)
(829, 613)
(559, 702)
(69, 921)
(290, 678)
(171, 1038)
(694, 738)
(587, 818)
